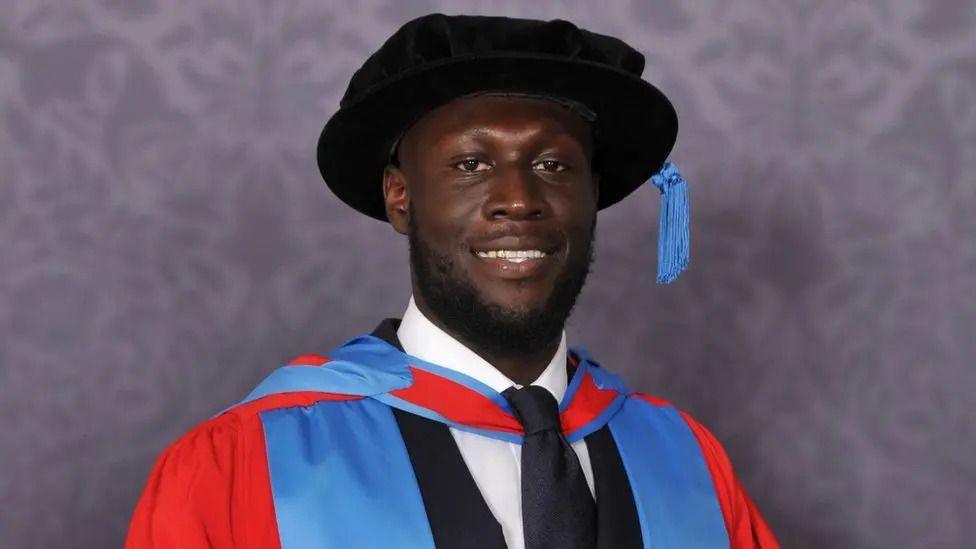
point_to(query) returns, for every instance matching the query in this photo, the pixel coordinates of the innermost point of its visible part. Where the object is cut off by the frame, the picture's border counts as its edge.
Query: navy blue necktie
(558, 510)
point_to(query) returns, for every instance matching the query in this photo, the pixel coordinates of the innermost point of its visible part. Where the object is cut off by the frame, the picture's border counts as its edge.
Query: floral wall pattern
(165, 241)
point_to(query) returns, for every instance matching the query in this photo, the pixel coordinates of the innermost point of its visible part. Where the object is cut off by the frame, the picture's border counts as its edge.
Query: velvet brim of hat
(636, 124)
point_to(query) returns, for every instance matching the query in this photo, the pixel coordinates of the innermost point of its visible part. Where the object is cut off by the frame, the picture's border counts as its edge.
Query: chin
(492, 306)
(514, 302)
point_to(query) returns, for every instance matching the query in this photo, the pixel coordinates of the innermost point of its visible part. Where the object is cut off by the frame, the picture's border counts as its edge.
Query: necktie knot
(535, 408)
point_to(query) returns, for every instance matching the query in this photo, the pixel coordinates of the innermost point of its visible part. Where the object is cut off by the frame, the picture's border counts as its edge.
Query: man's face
(498, 197)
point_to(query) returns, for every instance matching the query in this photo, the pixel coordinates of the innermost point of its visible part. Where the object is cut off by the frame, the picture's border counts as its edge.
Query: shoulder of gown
(745, 525)
(211, 488)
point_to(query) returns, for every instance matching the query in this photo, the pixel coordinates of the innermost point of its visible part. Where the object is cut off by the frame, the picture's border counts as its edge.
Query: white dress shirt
(494, 464)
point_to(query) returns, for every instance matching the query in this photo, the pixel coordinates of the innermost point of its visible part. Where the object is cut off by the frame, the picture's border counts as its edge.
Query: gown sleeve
(747, 528)
(210, 489)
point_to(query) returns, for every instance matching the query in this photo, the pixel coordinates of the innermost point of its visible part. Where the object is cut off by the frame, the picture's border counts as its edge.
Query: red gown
(212, 487)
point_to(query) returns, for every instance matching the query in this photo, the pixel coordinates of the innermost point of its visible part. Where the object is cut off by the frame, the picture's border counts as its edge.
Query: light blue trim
(362, 366)
(370, 367)
(574, 383)
(338, 376)
(376, 353)
(406, 406)
(601, 378)
(341, 477)
(462, 379)
(673, 489)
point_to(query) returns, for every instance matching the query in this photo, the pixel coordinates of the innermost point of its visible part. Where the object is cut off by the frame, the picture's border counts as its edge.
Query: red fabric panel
(588, 402)
(310, 360)
(456, 402)
(747, 529)
(211, 488)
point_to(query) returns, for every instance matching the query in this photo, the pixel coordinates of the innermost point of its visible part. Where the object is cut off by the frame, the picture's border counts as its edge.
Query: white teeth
(515, 256)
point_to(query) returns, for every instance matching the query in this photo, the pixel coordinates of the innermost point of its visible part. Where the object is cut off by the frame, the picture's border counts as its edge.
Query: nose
(516, 194)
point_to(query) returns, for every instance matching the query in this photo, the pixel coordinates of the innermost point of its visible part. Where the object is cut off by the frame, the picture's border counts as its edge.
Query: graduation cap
(437, 58)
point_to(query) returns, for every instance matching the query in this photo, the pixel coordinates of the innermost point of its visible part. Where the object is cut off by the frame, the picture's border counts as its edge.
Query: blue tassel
(674, 235)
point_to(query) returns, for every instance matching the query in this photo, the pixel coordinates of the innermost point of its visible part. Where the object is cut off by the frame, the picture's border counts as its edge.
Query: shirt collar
(423, 339)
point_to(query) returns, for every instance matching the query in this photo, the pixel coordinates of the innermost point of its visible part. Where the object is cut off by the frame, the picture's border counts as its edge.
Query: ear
(396, 195)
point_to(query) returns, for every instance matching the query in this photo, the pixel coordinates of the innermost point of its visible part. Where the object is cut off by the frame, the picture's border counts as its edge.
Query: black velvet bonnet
(436, 58)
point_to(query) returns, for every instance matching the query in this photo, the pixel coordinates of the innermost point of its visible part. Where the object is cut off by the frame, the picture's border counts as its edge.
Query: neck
(521, 367)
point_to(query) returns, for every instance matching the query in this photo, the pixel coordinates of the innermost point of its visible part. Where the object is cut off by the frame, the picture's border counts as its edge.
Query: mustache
(517, 229)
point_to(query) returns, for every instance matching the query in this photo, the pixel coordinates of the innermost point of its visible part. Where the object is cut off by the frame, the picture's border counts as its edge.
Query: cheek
(580, 238)
(578, 214)
(442, 226)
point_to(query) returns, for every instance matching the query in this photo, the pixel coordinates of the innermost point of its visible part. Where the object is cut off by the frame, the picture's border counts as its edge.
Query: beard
(488, 327)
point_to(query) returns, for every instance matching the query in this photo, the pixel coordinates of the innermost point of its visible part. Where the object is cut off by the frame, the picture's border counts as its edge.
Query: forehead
(490, 114)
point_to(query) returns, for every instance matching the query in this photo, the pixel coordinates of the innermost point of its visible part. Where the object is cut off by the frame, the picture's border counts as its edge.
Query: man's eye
(472, 165)
(550, 166)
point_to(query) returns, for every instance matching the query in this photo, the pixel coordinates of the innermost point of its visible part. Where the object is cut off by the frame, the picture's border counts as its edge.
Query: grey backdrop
(165, 241)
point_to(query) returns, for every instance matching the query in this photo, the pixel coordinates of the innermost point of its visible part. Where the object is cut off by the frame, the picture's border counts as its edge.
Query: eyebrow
(482, 131)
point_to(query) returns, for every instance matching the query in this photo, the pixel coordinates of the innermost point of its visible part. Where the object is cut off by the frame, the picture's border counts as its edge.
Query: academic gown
(353, 449)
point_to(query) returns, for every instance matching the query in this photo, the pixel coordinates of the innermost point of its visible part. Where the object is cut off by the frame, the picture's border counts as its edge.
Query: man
(491, 143)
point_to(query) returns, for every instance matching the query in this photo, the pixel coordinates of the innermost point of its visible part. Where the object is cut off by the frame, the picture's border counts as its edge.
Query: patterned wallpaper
(165, 241)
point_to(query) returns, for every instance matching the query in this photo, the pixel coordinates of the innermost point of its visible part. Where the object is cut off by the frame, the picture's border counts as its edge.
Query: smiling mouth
(512, 256)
